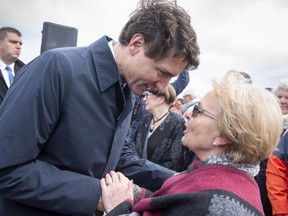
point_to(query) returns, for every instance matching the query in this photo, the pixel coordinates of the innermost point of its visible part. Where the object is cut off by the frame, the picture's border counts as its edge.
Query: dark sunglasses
(199, 109)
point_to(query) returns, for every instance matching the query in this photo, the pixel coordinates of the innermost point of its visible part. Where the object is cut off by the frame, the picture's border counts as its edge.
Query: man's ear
(135, 44)
(220, 141)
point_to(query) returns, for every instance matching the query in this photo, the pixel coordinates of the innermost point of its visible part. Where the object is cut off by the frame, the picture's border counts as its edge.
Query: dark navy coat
(63, 124)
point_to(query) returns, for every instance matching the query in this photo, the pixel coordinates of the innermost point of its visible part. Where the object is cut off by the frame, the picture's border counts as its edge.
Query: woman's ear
(161, 99)
(220, 142)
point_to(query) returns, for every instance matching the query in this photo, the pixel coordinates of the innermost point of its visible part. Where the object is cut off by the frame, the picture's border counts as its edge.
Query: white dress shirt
(5, 72)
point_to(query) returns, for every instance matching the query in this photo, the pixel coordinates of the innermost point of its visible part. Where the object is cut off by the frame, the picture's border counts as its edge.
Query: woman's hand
(115, 189)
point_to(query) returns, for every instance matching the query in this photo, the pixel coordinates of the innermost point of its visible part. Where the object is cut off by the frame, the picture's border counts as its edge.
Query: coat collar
(104, 62)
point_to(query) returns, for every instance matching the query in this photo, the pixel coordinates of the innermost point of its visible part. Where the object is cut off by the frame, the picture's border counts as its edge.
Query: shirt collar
(3, 65)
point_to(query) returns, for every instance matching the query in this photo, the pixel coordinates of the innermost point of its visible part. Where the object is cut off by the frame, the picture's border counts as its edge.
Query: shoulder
(281, 150)
(227, 203)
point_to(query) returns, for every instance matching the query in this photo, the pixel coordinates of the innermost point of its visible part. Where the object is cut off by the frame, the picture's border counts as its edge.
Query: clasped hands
(116, 188)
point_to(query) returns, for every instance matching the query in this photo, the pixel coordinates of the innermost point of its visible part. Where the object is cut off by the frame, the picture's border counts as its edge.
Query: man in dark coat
(65, 119)
(10, 50)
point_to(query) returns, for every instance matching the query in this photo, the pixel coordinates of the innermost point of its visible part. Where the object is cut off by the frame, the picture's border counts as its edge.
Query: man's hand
(116, 188)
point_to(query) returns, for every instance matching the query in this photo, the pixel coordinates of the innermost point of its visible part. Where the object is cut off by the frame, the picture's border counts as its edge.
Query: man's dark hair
(166, 29)
(5, 30)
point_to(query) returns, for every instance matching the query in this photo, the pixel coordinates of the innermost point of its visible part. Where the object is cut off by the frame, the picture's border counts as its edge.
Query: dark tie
(11, 77)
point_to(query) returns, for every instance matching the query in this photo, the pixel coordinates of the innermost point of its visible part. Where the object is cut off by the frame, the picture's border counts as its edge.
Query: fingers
(108, 179)
(122, 177)
(103, 183)
(115, 189)
(113, 177)
(130, 185)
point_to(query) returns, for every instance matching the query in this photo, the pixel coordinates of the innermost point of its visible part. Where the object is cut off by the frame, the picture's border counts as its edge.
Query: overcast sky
(247, 35)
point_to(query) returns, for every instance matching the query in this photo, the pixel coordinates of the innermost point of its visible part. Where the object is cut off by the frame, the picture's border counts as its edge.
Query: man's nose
(161, 85)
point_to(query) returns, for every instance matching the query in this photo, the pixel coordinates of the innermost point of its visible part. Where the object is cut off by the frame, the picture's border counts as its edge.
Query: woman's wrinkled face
(282, 95)
(202, 126)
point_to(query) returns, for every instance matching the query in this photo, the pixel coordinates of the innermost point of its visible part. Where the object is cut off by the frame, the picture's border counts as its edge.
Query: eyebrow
(15, 41)
(166, 72)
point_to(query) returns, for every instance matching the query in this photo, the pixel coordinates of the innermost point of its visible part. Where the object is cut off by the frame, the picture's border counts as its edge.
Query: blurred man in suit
(10, 50)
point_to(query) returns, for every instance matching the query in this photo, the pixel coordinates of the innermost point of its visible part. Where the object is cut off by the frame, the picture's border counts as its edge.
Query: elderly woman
(277, 166)
(158, 136)
(231, 130)
(281, 91)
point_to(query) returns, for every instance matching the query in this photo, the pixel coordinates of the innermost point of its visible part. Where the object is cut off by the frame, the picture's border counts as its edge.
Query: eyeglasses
(146, 94)
(199, 109)
(157, 94)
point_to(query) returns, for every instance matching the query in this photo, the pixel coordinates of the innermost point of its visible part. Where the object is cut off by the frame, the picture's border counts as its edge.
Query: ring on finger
(108, 182)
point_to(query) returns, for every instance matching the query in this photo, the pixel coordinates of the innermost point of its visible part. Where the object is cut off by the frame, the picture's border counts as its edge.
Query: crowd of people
(101, 130)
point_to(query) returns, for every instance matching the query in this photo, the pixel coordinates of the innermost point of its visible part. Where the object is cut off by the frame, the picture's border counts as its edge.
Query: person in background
(281, 91)
(139, 108)
(189, 99)
(10, 50)
(277, 178)
(230, 131)
(65, 119)
(159, 133)
(277, 165)
(176, 106)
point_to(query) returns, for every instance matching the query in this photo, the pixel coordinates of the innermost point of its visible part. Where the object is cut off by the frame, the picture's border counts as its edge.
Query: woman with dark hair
(158, 136)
